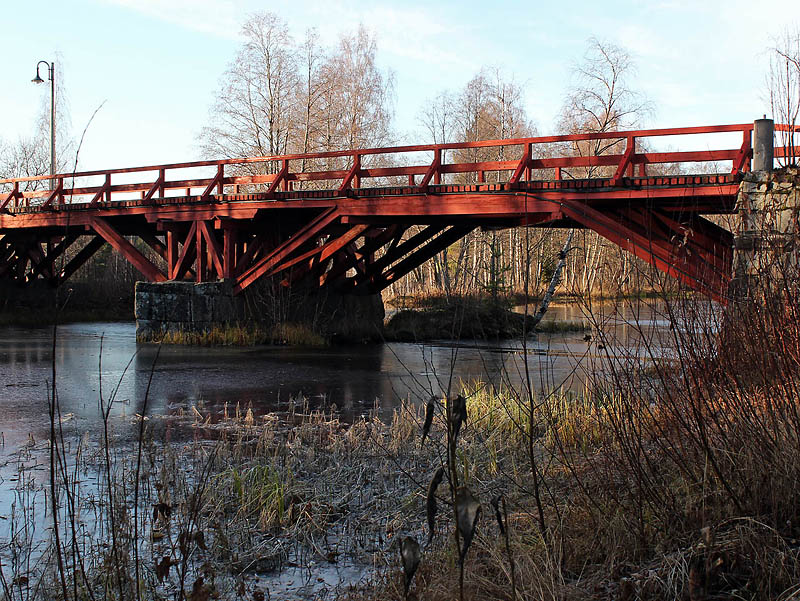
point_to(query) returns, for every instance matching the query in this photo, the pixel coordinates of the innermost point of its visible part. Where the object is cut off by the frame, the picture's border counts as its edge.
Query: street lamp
(52, 77)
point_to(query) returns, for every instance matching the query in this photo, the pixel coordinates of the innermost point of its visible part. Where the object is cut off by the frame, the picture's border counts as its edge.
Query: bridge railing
(354, 169)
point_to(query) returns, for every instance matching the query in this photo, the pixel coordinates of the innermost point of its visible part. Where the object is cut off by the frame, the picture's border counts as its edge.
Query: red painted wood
(314, 228)
(614, 206)
(187, 254)
(128, 250)
(214, 250)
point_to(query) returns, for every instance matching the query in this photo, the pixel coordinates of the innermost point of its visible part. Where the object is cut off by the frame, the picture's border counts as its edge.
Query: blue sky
(157, 63)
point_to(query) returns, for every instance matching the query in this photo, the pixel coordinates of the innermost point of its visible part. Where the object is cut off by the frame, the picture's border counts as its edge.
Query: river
(94, 359)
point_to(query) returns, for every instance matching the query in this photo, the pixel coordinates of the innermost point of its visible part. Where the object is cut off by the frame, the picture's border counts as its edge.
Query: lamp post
(52, 77)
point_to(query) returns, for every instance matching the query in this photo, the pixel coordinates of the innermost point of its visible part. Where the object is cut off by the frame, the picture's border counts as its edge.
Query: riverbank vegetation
(476, 317)
(669, 476)
(673, 475)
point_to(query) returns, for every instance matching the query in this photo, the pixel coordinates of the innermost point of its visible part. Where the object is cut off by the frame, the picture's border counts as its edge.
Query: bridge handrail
(640, 133)
(351, 176)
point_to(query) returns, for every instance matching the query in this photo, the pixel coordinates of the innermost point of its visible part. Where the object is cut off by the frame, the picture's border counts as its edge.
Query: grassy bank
(249, 334)
(663, 480)
(628, 501)
(658, 483)
(472, 317)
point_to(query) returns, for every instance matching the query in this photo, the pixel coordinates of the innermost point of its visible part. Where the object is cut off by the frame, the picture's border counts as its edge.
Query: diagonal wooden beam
(38, 261)
(653, 251)
(57, 193)
(213, 247)
(524, 163)
(678, 244)
(55, 253)
(127, 250)
(320, 253)
(432, 170)
(281, 176)
(153, 242)
(742, 161)
(186, 256)
(158, 186)
(627, 158)
(394, 253)
(713, 243)
(14, 194)
(392, 234)
(217, 181)
(376, 283)
(254, 247)
(352, 174)
(305, 234)
(86, 253)
(105, 190)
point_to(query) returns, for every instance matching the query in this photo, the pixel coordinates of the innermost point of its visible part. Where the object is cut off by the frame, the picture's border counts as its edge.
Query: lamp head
(37, 79)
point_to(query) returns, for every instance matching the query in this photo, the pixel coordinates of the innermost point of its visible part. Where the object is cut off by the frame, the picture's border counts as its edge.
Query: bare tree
(361, 95)
(254, 109)
(783, 85)
(489, 106)
(29, 156)
(602, 99)
(278, 97)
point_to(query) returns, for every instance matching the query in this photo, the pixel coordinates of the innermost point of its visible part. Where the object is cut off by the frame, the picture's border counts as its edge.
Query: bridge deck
(354, 232)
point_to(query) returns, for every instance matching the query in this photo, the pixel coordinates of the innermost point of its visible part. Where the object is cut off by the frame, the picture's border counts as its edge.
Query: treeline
(280, 95)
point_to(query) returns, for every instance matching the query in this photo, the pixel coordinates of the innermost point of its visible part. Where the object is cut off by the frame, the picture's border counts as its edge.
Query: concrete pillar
(763, 144)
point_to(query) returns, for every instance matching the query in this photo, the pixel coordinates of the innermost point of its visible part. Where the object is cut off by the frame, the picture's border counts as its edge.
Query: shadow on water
(356, 379)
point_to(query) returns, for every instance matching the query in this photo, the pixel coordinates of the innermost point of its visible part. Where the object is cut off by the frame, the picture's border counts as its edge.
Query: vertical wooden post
(527, 175)
(632, 147)
(228, 252)
(286, 179)
(202, 259)
(172, 254)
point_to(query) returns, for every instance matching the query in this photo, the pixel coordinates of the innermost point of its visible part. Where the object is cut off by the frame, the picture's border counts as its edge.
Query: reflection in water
(356, 379)
(103, 360)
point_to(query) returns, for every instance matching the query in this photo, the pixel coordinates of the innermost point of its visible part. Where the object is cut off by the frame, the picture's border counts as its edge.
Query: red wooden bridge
(343, 218)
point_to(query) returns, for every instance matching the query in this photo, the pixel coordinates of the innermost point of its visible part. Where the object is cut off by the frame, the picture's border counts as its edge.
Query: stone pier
(185, 310)
(766, 242)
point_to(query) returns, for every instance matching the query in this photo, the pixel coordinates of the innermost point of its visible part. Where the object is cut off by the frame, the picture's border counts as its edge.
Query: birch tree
(602, 98)
(783, 87)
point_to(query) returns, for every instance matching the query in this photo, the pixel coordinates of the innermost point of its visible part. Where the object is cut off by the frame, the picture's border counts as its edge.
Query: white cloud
(216, 17)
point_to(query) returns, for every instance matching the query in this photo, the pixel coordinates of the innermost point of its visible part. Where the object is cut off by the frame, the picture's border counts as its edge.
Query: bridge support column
(176, 309)
(763, 144)
(766, 245)
(182, 311)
